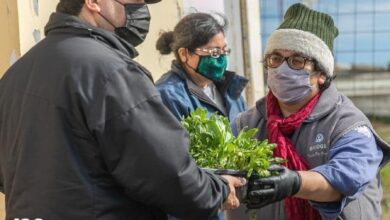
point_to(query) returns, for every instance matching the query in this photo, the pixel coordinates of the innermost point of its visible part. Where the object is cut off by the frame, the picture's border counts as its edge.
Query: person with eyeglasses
(84, 134)
(333, 154)
(198, 76)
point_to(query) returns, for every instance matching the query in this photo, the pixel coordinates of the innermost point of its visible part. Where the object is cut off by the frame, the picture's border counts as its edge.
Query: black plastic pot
(241, 192)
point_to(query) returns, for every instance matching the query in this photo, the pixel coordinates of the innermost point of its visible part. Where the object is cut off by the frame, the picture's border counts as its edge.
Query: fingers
(276, 167)
(267, 182)
(231, 205)
(232, 201)
(263, 182)
(232, 198)
(260, 198)
(262, 193)
(235, 181)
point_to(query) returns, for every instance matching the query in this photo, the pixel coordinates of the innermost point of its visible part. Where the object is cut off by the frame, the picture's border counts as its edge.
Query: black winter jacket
(84, 135)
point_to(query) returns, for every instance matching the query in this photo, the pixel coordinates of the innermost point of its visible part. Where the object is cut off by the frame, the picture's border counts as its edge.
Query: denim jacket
(182, 97)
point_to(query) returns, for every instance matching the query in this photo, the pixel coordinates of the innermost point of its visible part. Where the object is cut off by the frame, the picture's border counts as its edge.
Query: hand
(232, 201)
(263, 191)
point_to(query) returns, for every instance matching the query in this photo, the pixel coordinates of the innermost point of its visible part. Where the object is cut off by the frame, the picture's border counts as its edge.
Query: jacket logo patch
(319, 148)
(319, 138)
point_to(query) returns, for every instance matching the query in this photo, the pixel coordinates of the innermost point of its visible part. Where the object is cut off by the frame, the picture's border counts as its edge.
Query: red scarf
(279, 129)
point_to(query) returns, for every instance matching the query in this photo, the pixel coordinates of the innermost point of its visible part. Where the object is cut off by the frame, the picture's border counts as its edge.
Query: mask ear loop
(328, 81)
(188, 65)
(108, 21)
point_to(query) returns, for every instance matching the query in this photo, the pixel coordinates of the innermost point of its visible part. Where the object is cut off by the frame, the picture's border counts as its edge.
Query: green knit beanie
(306, 31)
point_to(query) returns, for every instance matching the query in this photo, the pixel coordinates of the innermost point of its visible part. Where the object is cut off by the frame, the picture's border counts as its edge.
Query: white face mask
(288, 85)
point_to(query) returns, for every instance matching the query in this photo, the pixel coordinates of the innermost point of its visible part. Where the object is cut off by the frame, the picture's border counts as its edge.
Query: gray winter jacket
(333, 116)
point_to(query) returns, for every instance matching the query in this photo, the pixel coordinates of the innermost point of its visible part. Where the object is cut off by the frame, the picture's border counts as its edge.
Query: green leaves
(213, 145)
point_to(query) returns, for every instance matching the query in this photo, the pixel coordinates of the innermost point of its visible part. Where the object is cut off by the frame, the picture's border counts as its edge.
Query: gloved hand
(264, 191)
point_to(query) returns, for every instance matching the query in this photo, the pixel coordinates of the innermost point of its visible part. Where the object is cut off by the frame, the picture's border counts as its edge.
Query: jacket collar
(232, 84)
(65, 23)
(328, 101)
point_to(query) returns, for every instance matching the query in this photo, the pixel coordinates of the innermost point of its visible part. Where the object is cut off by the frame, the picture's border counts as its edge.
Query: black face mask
(137, 23)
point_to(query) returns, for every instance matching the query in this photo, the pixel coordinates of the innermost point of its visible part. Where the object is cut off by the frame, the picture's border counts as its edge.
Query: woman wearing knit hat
(333, 154)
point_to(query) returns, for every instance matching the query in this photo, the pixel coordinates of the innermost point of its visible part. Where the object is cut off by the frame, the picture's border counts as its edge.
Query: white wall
(252, 50)
(9, 37)
(2, 207)
(203, 6)
(165, 16)
(33, 16)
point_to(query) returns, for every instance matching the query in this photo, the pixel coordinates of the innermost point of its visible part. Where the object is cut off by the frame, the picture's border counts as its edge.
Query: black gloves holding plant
(267, 190)
(215, 148)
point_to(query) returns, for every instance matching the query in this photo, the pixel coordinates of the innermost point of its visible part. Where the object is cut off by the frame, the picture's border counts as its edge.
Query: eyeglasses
(296, 62)
(215, 52)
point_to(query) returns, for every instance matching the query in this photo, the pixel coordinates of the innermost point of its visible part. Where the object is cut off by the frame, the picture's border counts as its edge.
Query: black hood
(62, 22)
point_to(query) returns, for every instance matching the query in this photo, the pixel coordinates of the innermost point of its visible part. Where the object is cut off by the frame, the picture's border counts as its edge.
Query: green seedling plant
(213, 145)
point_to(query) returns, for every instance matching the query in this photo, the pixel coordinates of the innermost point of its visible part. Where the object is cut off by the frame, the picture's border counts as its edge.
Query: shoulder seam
(125, 111)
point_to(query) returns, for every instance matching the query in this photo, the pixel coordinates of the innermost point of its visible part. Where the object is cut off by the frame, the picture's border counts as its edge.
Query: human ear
(321, 79)
(92, 5)
(183, 52)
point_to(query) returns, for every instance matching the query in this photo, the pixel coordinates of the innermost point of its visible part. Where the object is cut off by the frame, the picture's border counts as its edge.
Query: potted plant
(217, 150)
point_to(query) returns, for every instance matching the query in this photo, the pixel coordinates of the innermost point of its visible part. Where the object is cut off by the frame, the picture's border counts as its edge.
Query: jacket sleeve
(175, 106)
(146, 151)
(353, 162)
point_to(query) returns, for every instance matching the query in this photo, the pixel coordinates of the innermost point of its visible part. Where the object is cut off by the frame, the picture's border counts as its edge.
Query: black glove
(263, 191)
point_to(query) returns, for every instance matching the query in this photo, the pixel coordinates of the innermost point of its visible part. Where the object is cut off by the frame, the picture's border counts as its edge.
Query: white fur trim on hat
(303, 42)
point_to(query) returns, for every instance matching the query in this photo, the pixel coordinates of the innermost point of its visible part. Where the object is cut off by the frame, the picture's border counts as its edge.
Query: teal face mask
(212, 68)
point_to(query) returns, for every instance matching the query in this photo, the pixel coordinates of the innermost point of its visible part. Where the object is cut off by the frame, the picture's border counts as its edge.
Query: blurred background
(362, 49)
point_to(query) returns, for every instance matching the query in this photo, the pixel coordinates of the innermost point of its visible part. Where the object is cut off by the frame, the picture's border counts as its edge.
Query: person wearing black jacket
(84, 133)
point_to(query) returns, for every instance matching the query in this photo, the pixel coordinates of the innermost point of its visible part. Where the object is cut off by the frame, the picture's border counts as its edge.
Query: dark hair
(192, 31)
(72, 7)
